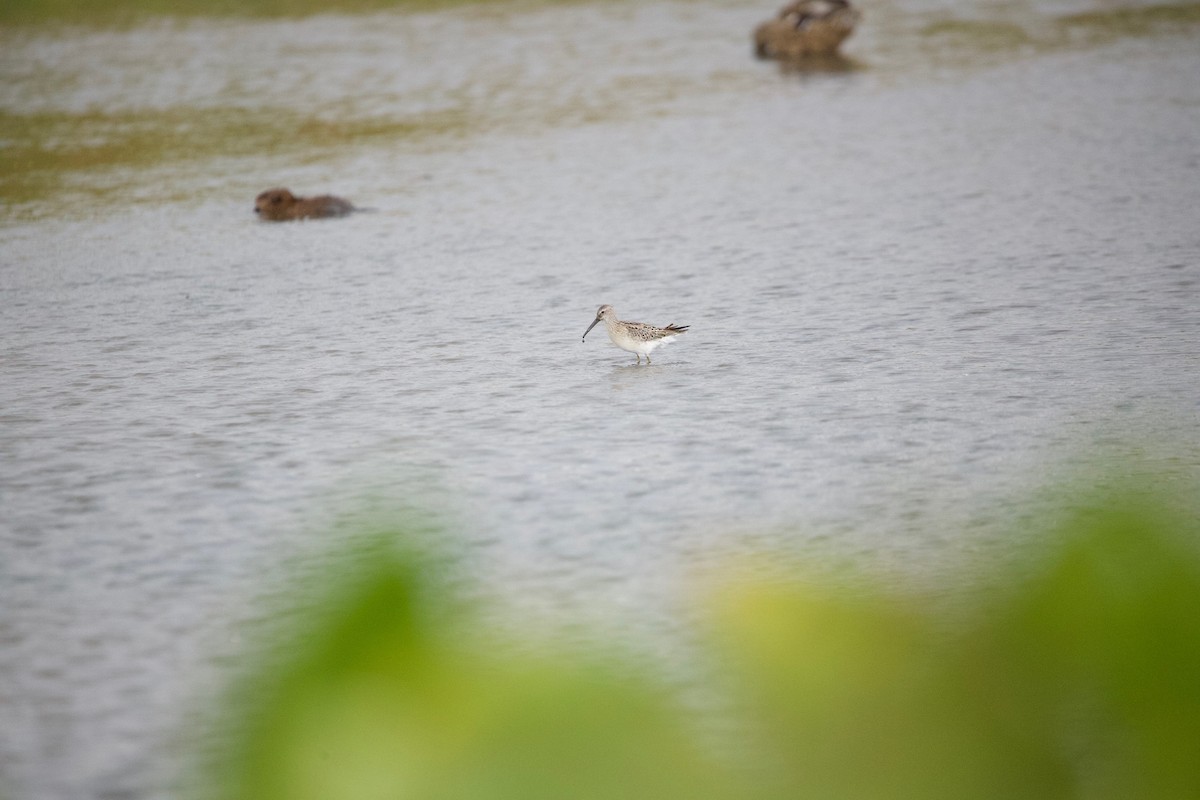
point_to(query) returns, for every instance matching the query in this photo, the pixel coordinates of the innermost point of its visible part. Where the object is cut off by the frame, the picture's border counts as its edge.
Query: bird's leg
(647, 358)
(639, 357)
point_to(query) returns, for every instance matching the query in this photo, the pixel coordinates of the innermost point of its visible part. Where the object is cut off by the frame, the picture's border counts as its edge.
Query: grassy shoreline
(1137, 19)
(126, 13)
(48, 152)
(62, 155)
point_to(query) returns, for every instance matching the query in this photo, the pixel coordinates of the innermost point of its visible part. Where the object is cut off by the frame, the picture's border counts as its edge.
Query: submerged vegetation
(127, 12)
(84, 154)
(63, 157)
(1018, 31)
(1134, 19)
(1074, 676)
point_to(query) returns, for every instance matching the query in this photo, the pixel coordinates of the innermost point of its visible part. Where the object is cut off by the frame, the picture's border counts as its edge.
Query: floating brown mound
(280, 205)
(806, 29)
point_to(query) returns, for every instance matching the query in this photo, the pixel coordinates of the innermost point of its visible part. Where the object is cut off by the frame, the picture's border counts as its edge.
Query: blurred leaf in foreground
(859, 695)
(391, 696)
(1078, 677)
(1106, 642)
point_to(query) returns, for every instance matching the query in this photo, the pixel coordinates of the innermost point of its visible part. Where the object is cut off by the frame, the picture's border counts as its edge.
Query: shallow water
(918, 291)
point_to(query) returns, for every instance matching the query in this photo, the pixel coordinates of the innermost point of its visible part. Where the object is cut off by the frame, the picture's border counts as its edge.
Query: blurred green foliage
(1076, 674)
(391, 694)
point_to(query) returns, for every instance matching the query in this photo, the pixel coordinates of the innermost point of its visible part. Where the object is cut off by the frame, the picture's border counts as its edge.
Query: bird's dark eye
(276, 198)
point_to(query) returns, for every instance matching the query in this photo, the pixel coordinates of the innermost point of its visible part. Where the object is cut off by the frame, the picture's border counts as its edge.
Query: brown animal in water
(806, 29)
(280, 205)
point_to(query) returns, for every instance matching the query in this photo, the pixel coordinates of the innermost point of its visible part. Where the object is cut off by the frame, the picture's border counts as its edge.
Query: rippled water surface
(918, 290)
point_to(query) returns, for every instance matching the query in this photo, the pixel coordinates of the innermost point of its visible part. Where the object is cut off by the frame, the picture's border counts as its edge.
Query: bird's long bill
(589, 330)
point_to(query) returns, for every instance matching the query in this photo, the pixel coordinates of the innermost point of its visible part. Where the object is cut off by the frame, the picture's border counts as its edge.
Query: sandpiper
(636, 337)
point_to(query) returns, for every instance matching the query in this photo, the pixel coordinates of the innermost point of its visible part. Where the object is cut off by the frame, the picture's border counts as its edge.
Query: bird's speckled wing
(646, 333)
